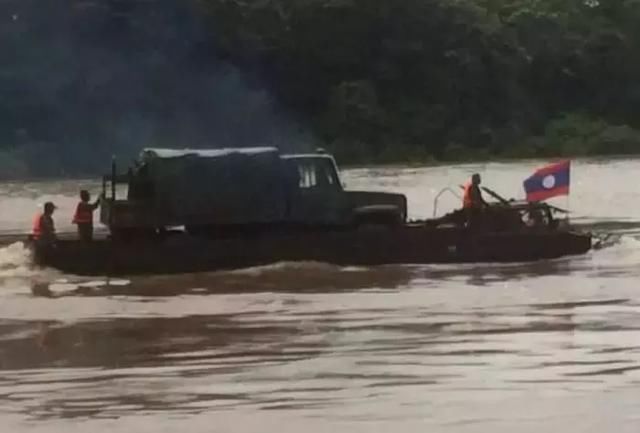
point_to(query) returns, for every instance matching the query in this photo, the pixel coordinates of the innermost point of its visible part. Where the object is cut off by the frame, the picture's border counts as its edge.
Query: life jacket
(467, 200)
(84, 214)
(36, 231)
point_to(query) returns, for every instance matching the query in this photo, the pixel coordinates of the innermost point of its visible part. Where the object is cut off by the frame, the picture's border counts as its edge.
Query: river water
(316, 348)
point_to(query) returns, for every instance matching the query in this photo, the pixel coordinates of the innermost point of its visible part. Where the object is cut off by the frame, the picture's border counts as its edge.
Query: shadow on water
(278, 278)
(318, 278)
(314, 278)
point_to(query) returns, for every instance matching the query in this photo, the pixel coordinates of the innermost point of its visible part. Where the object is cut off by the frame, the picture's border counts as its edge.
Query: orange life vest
(84, 214)
(37, 226)
(467, 200)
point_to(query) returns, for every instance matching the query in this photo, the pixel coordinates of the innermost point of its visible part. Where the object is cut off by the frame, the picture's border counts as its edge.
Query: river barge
(418, 243)
(408, 245)
(207, 210)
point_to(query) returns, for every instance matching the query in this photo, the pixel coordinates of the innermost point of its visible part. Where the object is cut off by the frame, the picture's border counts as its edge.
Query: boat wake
(282, 277)
(619, 246)
(607, 240)
(17, 270)
(15, 261)
(613, 234)
(621, 234)
(616, 256)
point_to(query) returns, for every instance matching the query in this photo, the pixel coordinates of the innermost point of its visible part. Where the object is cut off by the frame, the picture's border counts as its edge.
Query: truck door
(316, 196)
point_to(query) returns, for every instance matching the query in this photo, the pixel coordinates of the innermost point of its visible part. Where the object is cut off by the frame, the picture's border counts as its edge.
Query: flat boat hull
(406, 245)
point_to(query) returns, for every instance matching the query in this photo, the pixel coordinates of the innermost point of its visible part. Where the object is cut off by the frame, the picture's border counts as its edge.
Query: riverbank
(88, 178)
(430, 162)
(572, 135)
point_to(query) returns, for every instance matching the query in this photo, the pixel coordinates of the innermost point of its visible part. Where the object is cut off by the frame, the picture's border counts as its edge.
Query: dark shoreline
(498, 160)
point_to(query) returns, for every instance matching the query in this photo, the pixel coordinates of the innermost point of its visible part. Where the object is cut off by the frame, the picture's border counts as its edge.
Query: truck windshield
(316, 173)
(140, 184)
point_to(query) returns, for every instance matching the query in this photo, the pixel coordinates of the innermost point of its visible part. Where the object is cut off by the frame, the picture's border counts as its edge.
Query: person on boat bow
(472, 201)
(44, 231)
(83, 217)
(472, 197)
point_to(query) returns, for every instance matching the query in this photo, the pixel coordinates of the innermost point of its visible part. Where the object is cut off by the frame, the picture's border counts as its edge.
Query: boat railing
(437, 198)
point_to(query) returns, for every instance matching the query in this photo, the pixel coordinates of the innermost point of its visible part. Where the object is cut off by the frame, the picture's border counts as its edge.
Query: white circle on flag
(549, 181)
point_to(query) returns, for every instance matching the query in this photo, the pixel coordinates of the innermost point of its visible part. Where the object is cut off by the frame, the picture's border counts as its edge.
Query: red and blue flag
(549, 181)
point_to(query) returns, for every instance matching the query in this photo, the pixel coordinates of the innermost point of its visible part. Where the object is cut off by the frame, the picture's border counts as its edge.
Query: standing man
(44, 231)
(472, 197)
(472, 200)
(83, 217)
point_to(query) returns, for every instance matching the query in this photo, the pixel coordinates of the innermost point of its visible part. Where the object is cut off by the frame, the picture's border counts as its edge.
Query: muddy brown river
(546, 346)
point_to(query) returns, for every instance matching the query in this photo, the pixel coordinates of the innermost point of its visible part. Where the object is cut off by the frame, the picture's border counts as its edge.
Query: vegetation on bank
(374, 81)
(570, 135)
(404, 79)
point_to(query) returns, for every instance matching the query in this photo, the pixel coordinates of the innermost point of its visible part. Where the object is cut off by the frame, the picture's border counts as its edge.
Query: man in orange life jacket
(472, 200)
(83, 217)
(44, 231)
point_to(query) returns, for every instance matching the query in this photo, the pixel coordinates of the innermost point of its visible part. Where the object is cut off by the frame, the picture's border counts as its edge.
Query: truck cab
(315, 193)
(223, 189)
(318, 196)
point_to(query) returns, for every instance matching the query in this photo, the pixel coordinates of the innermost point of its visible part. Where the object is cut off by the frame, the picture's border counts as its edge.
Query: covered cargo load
(218, 186)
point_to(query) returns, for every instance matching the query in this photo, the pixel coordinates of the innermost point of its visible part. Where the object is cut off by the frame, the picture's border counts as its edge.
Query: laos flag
(549, 181)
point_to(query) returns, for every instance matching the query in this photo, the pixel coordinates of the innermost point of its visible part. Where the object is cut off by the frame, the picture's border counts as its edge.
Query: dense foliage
(386, 80)
(374, 80)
